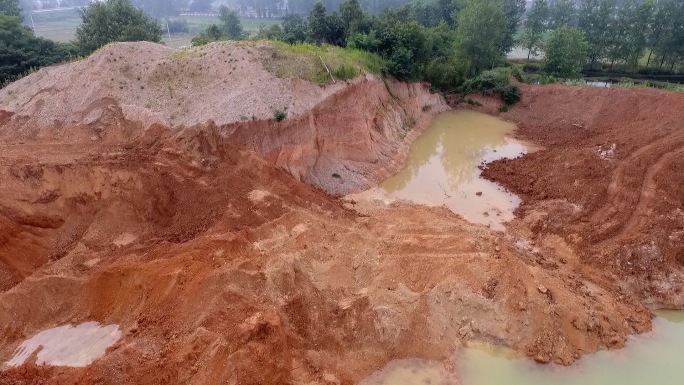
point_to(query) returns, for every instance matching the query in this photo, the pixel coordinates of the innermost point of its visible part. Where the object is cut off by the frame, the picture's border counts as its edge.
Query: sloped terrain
(219, 267)
(217, 246)
(615, 155)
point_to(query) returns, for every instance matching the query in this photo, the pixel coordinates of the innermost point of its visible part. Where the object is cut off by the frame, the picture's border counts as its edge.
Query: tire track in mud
(619, 190)
(646, 196)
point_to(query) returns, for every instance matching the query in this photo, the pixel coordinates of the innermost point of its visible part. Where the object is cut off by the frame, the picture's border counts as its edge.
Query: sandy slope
(224, 82)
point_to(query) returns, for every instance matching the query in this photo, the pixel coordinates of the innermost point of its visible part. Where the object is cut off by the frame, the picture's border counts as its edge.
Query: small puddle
(653, 358)
(68, 345)
(411, 372)
(442, 167)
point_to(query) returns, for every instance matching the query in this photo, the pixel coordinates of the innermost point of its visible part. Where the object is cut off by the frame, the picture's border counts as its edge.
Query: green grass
(304, 61)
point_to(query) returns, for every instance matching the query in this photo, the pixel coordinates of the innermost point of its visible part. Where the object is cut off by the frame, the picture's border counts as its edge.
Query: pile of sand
(224, 82)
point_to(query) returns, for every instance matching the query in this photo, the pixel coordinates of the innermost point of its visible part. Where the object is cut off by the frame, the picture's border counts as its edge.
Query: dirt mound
(615, 157)
(224, 82)
(217, 266)
(341, 137)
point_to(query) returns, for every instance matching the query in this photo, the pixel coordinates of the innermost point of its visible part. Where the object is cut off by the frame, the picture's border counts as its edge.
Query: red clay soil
(220, 267)
(616, 155)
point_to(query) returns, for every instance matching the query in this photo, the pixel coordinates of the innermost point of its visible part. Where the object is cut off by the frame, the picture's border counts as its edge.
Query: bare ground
(219, 266)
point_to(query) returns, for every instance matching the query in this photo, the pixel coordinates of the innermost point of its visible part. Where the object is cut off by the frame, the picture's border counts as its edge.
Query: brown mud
(617, 156)
(220, 267)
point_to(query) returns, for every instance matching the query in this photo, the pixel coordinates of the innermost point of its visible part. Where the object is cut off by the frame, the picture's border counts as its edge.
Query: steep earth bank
(342, 137)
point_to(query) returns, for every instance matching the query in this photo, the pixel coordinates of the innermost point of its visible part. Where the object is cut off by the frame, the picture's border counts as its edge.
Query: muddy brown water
(442, 167)
(652, 358)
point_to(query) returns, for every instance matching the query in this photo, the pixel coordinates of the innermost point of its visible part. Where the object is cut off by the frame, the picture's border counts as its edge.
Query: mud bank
(615, 157)
(342, 137)
(351, 140)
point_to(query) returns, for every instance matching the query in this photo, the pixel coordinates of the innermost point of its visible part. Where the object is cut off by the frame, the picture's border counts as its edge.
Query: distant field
(60, 25)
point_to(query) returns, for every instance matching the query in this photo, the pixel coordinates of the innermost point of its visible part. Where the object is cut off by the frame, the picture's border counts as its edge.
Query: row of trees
(442, 42)
(614, 32)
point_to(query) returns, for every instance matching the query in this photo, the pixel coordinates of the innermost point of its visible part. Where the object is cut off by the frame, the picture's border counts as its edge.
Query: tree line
(443, 42)
(609, 33)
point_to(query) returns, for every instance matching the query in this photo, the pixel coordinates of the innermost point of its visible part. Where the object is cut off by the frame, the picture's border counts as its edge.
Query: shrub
(492, 80)
(496, 80)
(279, 115)
(531, 67)
(510, 94)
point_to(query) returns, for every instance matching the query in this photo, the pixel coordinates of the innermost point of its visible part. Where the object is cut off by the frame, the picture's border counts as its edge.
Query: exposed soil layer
(220, 267)
(342, 137)
(616, 156)
(217, 266)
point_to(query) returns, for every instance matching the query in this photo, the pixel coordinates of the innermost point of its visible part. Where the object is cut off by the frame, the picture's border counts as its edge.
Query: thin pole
(32, 23)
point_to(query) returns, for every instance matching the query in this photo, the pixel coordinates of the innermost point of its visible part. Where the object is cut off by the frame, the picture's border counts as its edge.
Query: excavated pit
(221, 254)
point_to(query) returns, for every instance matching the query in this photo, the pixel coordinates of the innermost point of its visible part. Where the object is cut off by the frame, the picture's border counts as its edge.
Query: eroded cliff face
(351, 140)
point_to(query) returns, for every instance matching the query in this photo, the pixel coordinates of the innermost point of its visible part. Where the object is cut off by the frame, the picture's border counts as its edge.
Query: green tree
(230, 23)
(352, 16)
(666, 39)
(564, 14)
(295, 29)
(10, 8)
(481, 31)
(535, 25)
(114, 20)
(21, 51)
(595, 20)
(566, 53)
(318, 23)
(628, 33)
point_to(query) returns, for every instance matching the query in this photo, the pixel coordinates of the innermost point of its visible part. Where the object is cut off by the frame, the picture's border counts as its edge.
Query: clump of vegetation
(279, 115)
(498, 81)
(304, 61)
(114, 20)
(566, 52)
(21, 52)
(510, 94)
(344, 72)
(473, 102)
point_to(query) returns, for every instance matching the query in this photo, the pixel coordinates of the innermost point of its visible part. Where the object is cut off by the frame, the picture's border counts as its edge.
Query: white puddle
(67, 345)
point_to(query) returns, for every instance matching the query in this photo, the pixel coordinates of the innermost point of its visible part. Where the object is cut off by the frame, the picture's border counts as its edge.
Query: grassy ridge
(303, 61)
